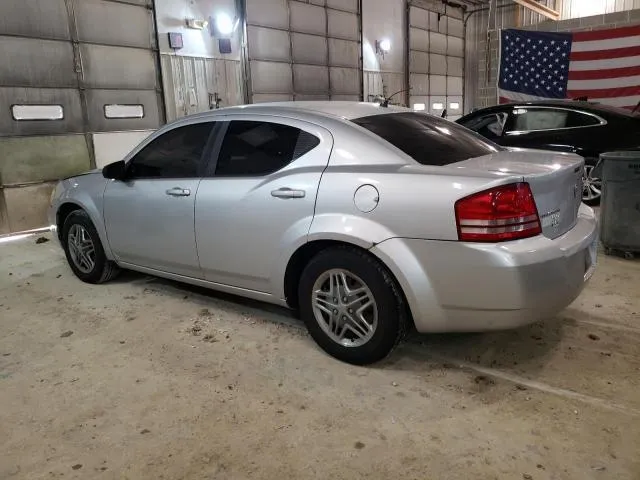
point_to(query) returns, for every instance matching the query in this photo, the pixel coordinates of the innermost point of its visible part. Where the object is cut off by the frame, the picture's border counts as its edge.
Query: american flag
(603, 65)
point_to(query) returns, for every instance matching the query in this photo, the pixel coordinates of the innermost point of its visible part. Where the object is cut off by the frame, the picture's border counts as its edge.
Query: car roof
(341, 109)
(573, 104)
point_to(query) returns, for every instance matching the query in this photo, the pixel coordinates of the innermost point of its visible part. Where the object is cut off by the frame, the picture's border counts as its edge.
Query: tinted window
(490, 125)
(175, 154)
(527, 119)
(261, 148)
(428, 140)
(579, 119)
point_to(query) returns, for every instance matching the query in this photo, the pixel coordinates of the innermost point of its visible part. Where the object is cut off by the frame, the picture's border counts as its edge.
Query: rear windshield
(427, 139)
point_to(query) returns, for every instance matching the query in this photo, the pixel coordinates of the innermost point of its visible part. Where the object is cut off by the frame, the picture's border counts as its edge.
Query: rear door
(551, 128)
(258, 198)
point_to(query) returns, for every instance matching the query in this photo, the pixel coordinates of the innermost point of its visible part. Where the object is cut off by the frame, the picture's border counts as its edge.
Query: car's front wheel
(591, 185)
(351, 305)
(84, 251)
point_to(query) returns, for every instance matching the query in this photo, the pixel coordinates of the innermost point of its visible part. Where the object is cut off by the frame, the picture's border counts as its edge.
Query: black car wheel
(352, 306)
(84, 250)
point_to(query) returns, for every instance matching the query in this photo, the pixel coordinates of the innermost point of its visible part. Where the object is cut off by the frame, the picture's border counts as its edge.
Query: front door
(259, 199)
(149, 216)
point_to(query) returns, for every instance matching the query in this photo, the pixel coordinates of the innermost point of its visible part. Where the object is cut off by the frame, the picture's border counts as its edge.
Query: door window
(252, 148)
(490, 126)
(174, 154)
(540, 119)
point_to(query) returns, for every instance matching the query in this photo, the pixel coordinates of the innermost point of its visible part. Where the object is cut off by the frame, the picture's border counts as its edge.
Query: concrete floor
(147, 379)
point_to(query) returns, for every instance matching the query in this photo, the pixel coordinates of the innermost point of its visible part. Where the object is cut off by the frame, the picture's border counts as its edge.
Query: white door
(149, 216)
(260, 200)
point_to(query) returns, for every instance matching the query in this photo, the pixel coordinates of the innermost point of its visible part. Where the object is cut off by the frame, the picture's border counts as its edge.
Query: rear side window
(174, 154)
(539, 119)
(260, 148)
(428, 140)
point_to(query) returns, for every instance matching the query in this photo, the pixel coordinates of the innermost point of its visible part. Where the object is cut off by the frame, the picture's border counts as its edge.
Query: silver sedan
(364, 218)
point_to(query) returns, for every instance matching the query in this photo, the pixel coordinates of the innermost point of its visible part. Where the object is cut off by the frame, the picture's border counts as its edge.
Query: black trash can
(620, 205)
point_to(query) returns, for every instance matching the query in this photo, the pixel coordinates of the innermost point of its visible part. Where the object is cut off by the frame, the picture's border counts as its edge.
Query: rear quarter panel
(415, 201)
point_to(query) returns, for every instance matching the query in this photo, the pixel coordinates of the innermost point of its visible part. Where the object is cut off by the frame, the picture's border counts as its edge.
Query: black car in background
(585, 128)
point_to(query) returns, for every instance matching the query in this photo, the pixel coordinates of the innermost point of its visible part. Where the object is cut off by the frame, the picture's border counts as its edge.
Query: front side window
(427, 139)
(252, 148)
(174, 154)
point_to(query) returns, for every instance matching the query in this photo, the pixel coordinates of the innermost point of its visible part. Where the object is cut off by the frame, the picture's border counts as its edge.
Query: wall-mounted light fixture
(222, 25)
(196, 24)
(383, 46)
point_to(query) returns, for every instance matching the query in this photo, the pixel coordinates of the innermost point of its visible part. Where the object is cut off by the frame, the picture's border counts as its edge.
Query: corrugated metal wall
(81, 56)
(302, 50)
(436, 59)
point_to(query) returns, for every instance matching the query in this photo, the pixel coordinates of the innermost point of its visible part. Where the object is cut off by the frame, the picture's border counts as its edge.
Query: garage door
(436, 60)
(304, 50)
(72, 73)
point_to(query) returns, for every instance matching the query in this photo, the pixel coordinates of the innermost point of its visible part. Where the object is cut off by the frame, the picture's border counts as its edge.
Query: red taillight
(503, 213)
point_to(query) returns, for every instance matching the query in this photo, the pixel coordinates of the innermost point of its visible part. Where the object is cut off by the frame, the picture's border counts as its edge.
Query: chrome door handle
(287, 193)
(178, 192)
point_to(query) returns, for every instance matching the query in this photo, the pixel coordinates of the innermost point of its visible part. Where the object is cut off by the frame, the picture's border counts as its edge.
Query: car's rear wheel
(84, 251)
(591, 185)
(351, 305)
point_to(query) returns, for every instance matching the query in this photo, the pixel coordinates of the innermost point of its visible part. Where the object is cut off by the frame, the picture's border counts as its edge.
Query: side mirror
(114, 170)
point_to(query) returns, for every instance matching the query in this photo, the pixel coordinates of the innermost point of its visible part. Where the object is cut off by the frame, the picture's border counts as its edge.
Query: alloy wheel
(344, 307)
(591, 185)
(81, 248)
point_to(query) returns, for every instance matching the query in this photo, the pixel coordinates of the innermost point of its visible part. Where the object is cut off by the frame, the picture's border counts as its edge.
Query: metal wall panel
(308, 18)
(418, 39)
(301, 49)
(419, 61)
(343, 53)
(343, 25)
(436, 45)
(268, 13)
(269, 44)
(33, 62)
(311, 79)
(348, 5)
(344, 81)
(42, 158)
(118, 67)
(27, 206)
(97, 99)
(269, 77)
(73, 55)
(34, 18)
(309, 48)
(101, 21)
(68, 98)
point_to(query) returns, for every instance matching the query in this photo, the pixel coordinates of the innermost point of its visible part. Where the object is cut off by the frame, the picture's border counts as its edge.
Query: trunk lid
(555, 180)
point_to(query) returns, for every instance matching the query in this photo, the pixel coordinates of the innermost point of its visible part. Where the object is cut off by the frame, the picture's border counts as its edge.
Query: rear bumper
(458, 286)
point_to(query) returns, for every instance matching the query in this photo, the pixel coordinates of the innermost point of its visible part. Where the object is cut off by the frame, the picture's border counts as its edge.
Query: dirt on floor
(147, 379)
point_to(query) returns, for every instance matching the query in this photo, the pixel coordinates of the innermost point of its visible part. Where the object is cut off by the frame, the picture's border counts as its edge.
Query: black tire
(392, 309)
(103, 269)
